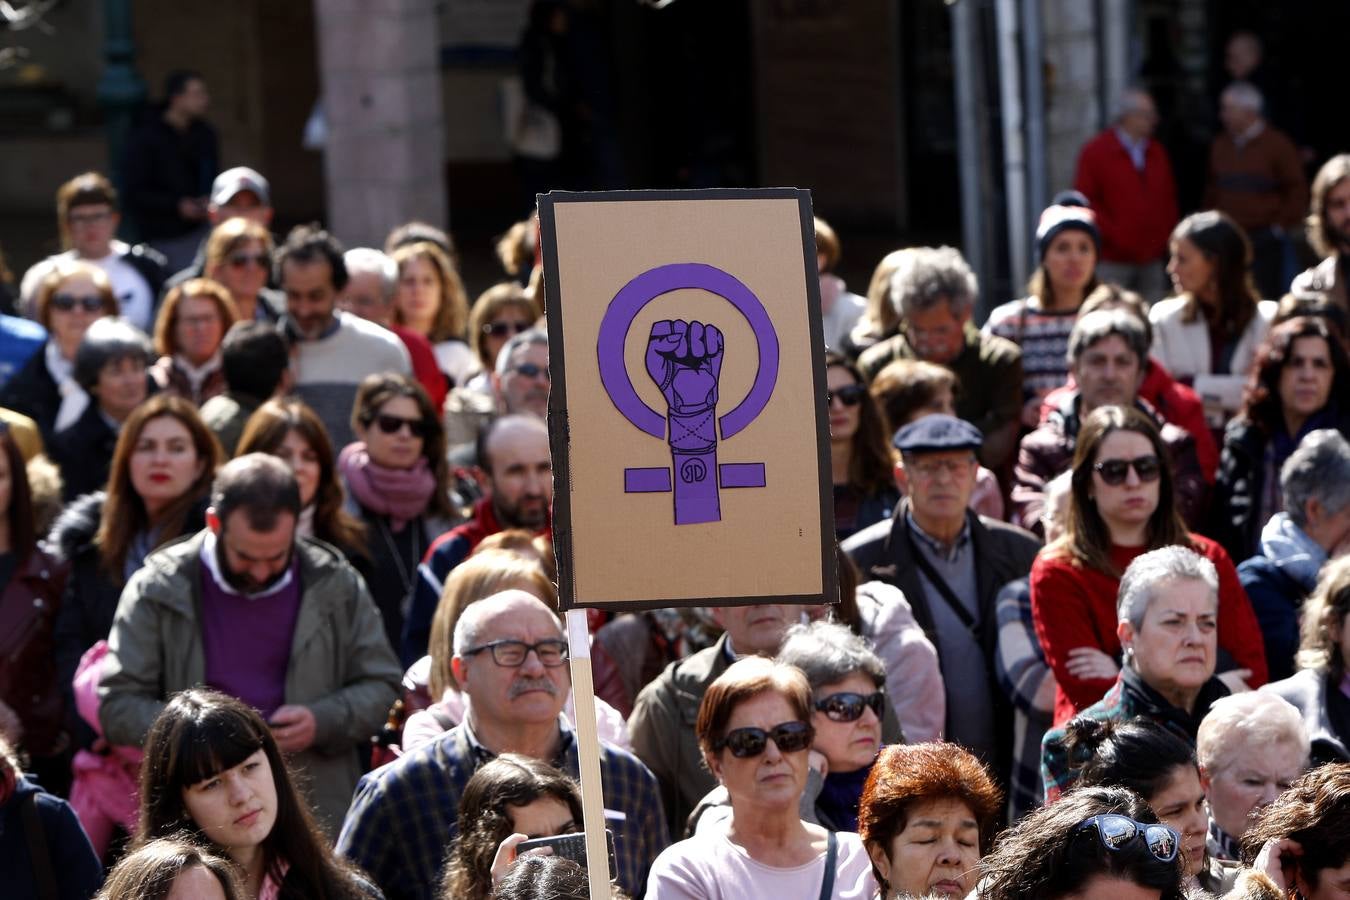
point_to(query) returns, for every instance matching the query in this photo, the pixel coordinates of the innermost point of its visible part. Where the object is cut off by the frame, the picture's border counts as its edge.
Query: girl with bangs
(212, 768)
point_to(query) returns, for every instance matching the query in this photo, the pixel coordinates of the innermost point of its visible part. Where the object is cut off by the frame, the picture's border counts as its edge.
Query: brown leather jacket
(28, 683)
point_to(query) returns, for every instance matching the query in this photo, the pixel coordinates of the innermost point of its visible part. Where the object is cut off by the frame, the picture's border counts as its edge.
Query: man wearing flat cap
(950, 564)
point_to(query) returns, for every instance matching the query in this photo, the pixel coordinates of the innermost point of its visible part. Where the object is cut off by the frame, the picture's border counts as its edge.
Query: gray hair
(1319, 468)
(517, 341)
(1155, 569)
(109, 340)
(1249, 719)
(1246, 95)
(828, 653)
(1101, 324)
(927, 276)
(369, 261)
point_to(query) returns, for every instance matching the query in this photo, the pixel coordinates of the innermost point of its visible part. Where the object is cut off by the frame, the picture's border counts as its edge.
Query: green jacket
(341, 665)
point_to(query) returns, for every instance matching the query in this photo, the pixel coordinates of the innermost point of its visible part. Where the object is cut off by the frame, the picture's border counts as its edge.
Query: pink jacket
(104, 792)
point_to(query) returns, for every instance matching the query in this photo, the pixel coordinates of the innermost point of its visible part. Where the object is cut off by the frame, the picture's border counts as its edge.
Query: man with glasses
(950, 564)
(934, 292)
(511, 663)
(283, 623)
(332, 350)
(87, 211)
(1108, 357)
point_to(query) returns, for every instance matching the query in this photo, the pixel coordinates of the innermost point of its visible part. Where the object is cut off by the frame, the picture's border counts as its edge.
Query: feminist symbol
(684, 359)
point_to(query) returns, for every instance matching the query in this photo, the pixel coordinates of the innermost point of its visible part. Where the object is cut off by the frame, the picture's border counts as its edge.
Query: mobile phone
(570, 846)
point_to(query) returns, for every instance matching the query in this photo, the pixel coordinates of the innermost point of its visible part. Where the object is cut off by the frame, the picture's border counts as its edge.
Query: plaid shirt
(403, 815)
(1025, 676)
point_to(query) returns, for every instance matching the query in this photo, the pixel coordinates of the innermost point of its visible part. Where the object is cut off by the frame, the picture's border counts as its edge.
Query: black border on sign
(559, 438)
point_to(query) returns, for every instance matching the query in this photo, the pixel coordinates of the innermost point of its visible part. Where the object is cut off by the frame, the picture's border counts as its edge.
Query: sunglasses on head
(68, 302)
(788, 737)
(848, 706)
(391, 424)
(502, 329)
(1114, 471)
(1116, 833)
(239, 260)
(530, 370)
(849, 395)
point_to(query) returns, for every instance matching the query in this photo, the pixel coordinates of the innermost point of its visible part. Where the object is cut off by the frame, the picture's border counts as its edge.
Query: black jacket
(162, 167)
(1003, 553)
(84, 452)
(33, 392)
(74, 868)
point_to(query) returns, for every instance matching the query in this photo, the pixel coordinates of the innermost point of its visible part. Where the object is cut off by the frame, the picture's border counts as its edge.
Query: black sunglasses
(849, 395)
(1117, 833)
(502, 329)
(530, 370)
(848, 706)
(391, 424)
(788, 737)
(1114, 471)
(67, 302)
(239, 260)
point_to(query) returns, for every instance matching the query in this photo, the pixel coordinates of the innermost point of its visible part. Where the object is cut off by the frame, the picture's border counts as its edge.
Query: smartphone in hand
(570, 846)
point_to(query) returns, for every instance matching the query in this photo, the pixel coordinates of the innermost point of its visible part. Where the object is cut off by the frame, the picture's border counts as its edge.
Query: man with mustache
(511, 662)
(1329, 233)
(284, 624)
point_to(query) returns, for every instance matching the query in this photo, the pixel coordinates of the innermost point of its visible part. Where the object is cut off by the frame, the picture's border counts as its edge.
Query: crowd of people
(279, 609)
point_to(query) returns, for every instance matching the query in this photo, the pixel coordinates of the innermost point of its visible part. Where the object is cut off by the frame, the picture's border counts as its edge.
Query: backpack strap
(831, 851)
(43, 873)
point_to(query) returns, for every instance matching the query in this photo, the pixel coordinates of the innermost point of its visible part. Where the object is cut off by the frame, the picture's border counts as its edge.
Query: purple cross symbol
(684, 360)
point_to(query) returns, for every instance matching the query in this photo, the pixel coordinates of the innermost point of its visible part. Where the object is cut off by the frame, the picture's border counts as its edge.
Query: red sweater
(1135, 210)
(1073, 606)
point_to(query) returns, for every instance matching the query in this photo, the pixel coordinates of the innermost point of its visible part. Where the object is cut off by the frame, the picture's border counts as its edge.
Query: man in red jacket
(1127, 178)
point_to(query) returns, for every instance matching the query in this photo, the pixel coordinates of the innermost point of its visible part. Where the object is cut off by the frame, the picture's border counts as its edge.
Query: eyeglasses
(511, 654)
(68, 302)
(89, 218)
(530, 370)
(502, 329)
(240, 260)
(390, 424)
(1117, 833)
(931, 468)
(849, 395)
(788, 737)
(848, 706)
(1114, 471)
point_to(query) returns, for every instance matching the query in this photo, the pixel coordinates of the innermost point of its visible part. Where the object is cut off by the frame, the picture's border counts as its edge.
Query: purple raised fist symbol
(684, 360)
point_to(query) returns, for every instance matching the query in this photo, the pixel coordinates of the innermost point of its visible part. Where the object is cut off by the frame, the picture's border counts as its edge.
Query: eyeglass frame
(1117, 481)
(875, 701)
(807, 731)
(493, 646)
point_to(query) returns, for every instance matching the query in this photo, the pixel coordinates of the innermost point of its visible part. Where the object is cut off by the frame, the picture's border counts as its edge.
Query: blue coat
(74, 866)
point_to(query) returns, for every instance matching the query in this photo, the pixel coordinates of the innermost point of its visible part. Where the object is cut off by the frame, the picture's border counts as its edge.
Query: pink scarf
(400, 494)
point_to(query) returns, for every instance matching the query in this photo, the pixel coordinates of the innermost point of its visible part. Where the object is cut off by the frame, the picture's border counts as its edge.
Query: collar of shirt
(196, 375)
(212, 563)
(108, 420)
(937, 547)
(1136, 147)
(482, 754)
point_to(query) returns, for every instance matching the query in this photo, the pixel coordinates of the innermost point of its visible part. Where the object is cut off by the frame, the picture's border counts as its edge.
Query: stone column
(1073, 112)
(381, 86)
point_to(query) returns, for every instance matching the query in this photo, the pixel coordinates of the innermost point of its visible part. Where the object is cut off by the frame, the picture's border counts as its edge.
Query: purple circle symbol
(643, 289)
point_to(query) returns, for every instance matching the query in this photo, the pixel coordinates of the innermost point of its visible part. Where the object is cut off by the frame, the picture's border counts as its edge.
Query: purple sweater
(247, 639)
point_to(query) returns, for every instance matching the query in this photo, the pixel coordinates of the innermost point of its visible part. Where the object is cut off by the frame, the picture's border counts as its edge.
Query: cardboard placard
(687, 418)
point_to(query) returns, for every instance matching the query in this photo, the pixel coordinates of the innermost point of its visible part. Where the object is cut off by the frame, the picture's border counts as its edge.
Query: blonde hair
(228, 235)
(1252, 718)
(1323, 618)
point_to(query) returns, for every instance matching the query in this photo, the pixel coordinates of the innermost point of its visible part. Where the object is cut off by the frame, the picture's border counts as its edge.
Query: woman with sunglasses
(754, 729)
(1098, 843)
(1122, 506)
(1160, 766)
(431, 301)
(397, 479)
(862, 463)
(239, 256)
(213, 769)
(69, 298)
(928, 813)
(499, 313)
(1301, 383)
(189, 328)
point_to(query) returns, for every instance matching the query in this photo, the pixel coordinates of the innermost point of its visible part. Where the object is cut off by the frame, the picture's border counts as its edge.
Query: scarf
(1292, 551)
(73, 397)
(400, 494)
(839, 797)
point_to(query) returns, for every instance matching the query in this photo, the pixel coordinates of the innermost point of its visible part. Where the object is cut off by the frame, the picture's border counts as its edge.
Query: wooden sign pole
(588, 755)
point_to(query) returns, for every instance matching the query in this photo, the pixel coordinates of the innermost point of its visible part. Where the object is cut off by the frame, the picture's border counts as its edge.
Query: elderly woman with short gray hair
(1251, 748)
(849, 710)
(1167, 613)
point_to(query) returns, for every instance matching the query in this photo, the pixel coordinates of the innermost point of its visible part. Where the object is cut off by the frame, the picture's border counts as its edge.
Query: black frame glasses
(788, 737)
(511, 654)
(68, 302)
(392, 424)
(848, 706)
(503, 329)
(1117, 833)
(849, 395)
(1115, 471)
